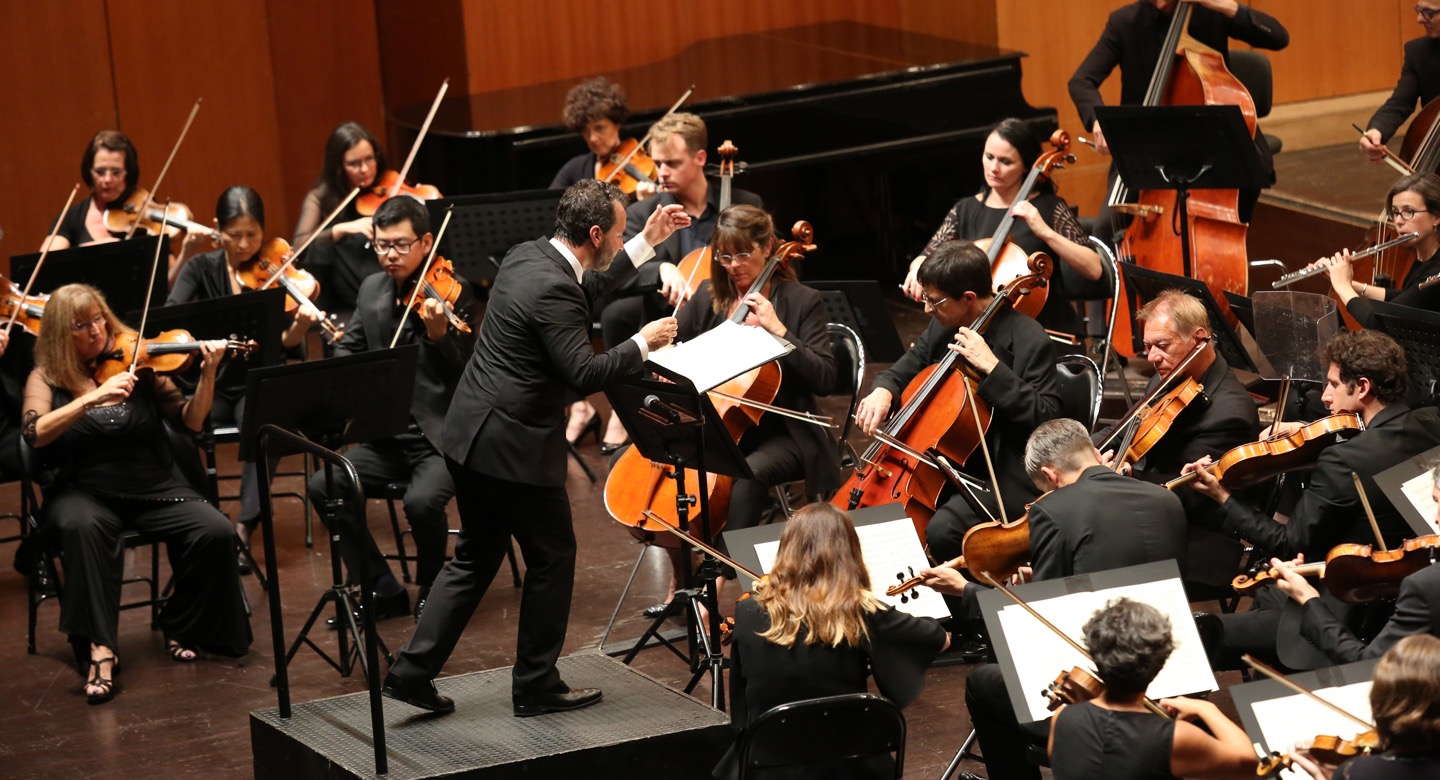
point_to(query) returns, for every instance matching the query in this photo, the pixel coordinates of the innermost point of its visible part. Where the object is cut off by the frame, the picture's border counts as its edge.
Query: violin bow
(415, 147)
(626, 159)
(710, 551)
(1369, 513)
(985, 575)
(1275, 675)
(1158, 391)
(195, 109)
(10, 323)
(1402, 167)
(323, 224)
(150, 288)
(435, 247)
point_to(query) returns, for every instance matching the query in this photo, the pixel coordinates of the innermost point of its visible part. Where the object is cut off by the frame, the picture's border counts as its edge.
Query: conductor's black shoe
(422, 695)
(529, 704)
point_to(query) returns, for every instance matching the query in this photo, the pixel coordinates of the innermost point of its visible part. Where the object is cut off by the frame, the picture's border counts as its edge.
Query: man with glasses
(402, 242)
(1419, 80)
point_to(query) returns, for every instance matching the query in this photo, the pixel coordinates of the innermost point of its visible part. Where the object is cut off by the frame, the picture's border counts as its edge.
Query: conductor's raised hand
(660, 332)
(663, 221)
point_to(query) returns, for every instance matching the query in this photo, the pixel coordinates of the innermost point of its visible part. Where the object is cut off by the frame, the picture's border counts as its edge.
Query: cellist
(1419, 80)
(780, 449)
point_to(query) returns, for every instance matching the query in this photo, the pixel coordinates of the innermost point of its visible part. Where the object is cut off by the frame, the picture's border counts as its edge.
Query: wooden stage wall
(276, 76)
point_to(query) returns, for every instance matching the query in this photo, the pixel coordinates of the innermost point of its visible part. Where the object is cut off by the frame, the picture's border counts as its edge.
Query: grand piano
(869, 133)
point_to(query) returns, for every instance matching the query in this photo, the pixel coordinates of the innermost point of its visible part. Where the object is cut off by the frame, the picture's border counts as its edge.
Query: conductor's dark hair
(403, 208)
(239, 201)
(333, 183)
(592, 99)
(1372, 355)
(1130, 642)
(111, 141)
(587, 203)
(1426, 185)
(955, 268)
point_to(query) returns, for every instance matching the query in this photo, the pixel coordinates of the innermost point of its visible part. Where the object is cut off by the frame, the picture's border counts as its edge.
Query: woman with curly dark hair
(595, 108)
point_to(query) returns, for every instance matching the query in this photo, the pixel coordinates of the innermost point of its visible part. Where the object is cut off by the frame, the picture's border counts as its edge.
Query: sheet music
(1290, 719)
(1419, 491)
(888, 548)
(1040, 655)
(721, 353)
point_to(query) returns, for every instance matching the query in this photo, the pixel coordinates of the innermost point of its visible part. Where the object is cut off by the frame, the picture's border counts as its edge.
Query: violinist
(595, 108)
(780, 449)
(678, 144)
(1132, 41)
(240, 217)
(1405, 704)
(402, 241)
(1015, 363)
(1365, 374)
(1419, 80)
(1413, 204)
(812, 629)
(115, 471)
(1044, 223)
(110, 167)
(339, 257)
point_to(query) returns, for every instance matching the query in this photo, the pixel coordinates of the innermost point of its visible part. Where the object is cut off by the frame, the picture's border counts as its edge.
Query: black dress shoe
(606, 448)
(390, 606)
(530, 704)
(422, 695)
(657, 610)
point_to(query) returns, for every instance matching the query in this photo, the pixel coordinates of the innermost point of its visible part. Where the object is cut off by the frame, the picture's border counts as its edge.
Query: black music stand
(484, 227)
(672, 423)
(860, 305)
(1417, 331)
(119, 269)
(1148, 283)
(1247, 695)
(1183, 148)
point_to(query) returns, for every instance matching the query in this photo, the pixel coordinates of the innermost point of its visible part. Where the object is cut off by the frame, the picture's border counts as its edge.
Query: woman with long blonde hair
(814, 628)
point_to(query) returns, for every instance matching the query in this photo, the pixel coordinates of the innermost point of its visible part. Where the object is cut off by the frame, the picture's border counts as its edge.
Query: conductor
(504, 442)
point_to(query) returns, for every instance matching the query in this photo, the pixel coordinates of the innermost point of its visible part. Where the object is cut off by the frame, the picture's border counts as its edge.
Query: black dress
(763, 675)
(1409, 293)
(1093, 743)
(72, 224)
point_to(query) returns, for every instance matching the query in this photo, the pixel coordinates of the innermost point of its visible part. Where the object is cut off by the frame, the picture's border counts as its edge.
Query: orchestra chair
(390, 493)
(853, 725)
(208, 440)
(1252, 68)
(1080, 388)
(849, 353)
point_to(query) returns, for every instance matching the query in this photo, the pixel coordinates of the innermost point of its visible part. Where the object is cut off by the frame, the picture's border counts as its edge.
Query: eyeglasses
(400, 247)
(925, 299)
(360, 164)
(1405, 212)
(96, 321)
(110, 173)
(732, 260)
(1427, 13)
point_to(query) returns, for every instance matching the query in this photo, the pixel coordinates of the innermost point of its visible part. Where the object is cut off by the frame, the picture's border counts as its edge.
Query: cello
(1188, 73)
(1007, 259)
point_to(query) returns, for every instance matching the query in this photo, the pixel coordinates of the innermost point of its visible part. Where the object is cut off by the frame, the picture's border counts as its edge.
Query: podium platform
(640, 726)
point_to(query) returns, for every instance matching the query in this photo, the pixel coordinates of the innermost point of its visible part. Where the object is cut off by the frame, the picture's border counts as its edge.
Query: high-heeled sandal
(177, 652)
(106, 687)
(592, 428)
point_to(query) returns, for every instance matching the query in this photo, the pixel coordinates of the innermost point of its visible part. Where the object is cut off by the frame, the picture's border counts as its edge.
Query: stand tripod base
(348, 634)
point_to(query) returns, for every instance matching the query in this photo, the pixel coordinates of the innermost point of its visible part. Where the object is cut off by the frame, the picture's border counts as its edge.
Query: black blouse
(1093, 743)
(1409, 293)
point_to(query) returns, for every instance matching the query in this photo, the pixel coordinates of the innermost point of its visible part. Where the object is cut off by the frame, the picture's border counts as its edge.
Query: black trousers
(1003, 739)
(205, 609)
(491, 511)
(410, 458)
(775, 459)
(226, 410)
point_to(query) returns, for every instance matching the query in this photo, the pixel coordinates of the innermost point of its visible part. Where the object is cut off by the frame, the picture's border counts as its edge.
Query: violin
(388, 185)
(1325, 748)
(1072, 687)
(1149, 420)
(139, 211)
(1007, 260)
(265, 269)
(698, 266)
(441, 284)
(1253, 463)
(627, 166)
(167, 353)
(28, 310)
(1356, 573)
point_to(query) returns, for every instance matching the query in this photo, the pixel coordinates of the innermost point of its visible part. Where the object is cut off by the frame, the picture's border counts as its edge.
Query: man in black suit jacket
(1419, 80)
(1091, 520)
(402, 241)
(504, 442)
(1417, 611)
(1366, 374)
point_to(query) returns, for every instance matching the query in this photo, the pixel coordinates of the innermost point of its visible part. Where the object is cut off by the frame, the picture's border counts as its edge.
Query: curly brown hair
(1372, 355)
(597, 98)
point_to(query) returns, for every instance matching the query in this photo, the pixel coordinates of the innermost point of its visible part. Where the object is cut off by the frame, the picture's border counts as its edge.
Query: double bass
(1188, 73)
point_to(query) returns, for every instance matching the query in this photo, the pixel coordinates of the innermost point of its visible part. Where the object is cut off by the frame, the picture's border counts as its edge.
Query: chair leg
(960, 756)
(401, 555)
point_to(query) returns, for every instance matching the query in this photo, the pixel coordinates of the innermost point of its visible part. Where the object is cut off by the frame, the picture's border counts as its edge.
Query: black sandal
(177, 652)
(106, 687)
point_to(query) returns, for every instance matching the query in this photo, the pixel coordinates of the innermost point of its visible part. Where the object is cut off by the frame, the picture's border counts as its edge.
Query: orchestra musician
(1044, 222)
(781, 449)
(338, 257)
(240, 218)
(114, 471)
(1419, 80)
(402, 241)
(1365, 374)
(813, 628)
(1115, 737)
(595, 108)
(1405, 705)
(1132, 40)
(110, 167)
(1091, 520)
(504, 445)
(678, 145)
(1222, 418)
(1414, 205)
